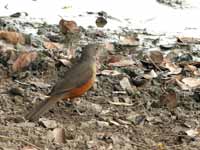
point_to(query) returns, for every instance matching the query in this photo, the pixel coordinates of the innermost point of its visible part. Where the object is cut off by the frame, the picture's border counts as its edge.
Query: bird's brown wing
(74, 78)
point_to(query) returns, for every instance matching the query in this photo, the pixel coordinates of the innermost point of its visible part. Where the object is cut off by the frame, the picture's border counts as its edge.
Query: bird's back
(75, 77)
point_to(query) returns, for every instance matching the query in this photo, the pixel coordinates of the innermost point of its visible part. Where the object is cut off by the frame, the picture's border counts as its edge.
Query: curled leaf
(129, 40)
(122, 63)
(191, 82)
(12, 37)
(169, 99)
(188, 40)
(156, 56)
(24, 60)
(173, 68)
(52, 45)
(68, 26)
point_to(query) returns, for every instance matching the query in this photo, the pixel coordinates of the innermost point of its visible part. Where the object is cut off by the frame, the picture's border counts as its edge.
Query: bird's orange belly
(80, 90)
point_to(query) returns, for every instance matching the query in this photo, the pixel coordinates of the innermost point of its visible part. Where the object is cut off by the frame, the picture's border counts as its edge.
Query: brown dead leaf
(122, 63)
(182, 85)
(169, 99)
(52, 45)
(173, 68)
(24, 60)
(114, 58)
(12, 37)
(191, 82)
(156, 56)
(119, 61)
(192, 69)
(68, 26)
(129, 40)
(188, 40)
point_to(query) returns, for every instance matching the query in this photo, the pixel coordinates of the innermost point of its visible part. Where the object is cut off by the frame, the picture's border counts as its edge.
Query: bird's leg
(74, 103)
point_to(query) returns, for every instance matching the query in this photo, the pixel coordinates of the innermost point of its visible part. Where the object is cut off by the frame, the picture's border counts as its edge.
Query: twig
(11, 138)
(120, 103)
(154, 64)
(22, 83)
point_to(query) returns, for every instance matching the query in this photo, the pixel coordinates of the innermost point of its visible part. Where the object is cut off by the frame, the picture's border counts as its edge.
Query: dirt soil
(138, 102)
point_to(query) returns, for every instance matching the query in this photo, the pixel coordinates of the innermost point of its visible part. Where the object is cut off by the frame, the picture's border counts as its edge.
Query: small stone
(50, 124)
(18, 99)
(127, 100)
(88, 124)
(89, 107)
(59, 135)
(135, 118)
(102, 124)
(167, 46)
(16, 91)
(125, 84)
(138, 81)
(101, 22)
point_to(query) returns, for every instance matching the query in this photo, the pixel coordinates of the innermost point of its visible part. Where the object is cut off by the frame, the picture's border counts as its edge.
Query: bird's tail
(41, 108)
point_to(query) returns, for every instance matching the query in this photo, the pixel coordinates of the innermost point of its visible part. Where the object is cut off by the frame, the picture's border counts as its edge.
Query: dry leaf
(188, 40)
(192, 69)
(169, 99)
(193, 132)
(173, 68)
(109, 46)
(129, 40)
(12, 37)
(191, 82)
(114, 58)
(68, 26)
(24, 60)
(156, 57)
(122, 63)
(59, 135)
(52, 45)
(152, 74)
(182, 85)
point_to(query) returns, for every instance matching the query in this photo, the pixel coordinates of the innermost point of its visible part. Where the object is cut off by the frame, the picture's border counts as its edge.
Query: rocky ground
(146, 95)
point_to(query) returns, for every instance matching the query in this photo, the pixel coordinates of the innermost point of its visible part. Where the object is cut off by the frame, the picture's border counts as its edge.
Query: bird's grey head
(90, 50)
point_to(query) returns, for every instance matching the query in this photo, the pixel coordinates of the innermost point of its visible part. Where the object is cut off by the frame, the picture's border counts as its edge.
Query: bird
(76, 81)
